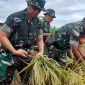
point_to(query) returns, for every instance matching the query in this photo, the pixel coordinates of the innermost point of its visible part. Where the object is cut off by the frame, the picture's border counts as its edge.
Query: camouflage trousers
(60, 56)
(8, 65)
(56, 54)
(49, 51)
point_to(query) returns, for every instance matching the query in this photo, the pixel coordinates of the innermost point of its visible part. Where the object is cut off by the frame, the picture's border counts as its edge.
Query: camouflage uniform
(69, 34)
(22, 33)
(45, 26)
(46, 29)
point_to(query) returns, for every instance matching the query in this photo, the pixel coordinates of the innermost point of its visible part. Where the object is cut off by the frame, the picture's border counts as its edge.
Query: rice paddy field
(45, 71)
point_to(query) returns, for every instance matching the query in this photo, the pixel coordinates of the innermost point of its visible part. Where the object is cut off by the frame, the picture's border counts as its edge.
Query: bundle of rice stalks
(76, 74)
(45, 71)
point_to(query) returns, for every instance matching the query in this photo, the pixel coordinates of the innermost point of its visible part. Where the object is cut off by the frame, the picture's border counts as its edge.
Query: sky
(66, 10)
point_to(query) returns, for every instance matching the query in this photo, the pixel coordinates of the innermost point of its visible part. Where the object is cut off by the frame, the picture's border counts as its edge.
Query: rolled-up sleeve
(40, 32)
(8, 26)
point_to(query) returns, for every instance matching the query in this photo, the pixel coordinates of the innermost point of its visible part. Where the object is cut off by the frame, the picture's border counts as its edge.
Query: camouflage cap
(38, 3)
(50, 12)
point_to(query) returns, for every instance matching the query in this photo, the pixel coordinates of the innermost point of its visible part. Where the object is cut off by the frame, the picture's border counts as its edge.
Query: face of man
(33, 10)
(48, 18)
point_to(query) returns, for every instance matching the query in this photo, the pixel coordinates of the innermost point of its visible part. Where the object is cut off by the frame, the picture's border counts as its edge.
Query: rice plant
(45, 72)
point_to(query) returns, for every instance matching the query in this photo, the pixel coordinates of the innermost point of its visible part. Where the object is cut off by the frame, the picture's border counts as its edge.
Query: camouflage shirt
(45, 25)
(22, 31)
(69, 34)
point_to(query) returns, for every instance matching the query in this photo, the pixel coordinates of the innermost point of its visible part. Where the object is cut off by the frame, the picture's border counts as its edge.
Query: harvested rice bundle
(45, 71)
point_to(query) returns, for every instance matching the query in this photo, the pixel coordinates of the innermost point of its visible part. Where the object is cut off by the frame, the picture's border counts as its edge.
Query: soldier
(18, 34)
(48, 18)
(67, 35)
(45, 23)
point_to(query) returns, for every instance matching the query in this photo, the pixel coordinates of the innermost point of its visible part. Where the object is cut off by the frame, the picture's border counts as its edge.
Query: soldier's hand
(40, 53)
(21, 52)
